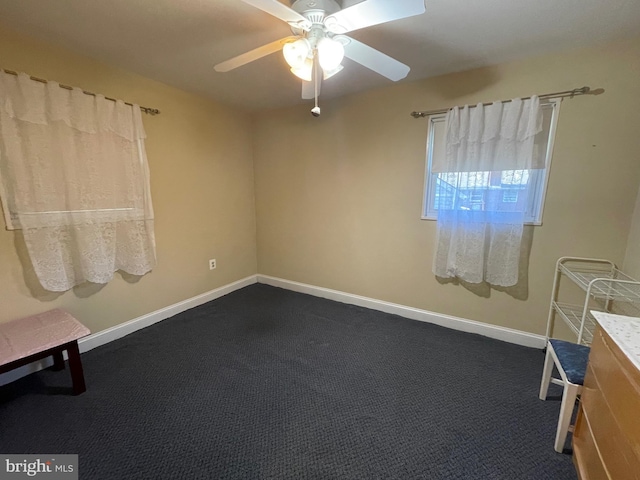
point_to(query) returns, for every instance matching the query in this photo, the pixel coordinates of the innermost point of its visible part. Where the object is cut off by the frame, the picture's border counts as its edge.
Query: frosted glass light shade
(330, 73)
(296, 53)
(330, 53)
(304, 71)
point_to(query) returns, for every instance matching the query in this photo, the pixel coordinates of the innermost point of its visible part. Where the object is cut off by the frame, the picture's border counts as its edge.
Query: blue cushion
(573, 359)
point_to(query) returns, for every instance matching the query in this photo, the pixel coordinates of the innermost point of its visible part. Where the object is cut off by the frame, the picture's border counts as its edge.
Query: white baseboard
(113, 333)
(471, 326)
(26, 370)
(110, 334)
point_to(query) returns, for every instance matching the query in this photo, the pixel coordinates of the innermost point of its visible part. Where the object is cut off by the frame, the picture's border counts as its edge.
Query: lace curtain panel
(479, 236)
(74, 177)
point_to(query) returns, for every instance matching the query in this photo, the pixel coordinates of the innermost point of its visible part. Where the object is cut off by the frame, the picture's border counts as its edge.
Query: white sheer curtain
(74, 177)
(480, 222)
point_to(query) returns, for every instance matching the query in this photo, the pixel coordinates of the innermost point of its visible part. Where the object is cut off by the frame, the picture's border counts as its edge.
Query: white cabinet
(605, 289)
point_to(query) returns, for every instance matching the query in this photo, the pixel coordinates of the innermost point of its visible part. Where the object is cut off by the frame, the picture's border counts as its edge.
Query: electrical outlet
(212, 264)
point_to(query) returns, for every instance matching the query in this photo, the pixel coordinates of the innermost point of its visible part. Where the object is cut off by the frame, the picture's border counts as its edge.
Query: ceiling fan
(318, 45)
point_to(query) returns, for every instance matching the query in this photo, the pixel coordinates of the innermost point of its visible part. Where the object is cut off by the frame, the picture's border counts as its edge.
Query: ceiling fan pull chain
(315, 111)
(315, 77)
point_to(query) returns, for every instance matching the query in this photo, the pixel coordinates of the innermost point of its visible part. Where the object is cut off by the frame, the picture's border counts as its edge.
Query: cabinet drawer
(585, 454)
(612, 444)
(611, 372)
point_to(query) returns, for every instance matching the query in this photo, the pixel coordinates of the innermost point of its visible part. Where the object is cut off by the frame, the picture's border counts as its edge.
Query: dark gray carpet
(269, 384)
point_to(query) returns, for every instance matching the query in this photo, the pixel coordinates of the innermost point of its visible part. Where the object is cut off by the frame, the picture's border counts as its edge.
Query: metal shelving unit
(606, 289)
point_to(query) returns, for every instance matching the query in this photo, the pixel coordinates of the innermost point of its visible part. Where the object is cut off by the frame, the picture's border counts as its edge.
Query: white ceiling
(179, 41)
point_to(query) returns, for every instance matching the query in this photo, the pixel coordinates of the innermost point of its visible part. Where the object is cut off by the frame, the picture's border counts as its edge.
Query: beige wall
(339, 197)
(200, 157)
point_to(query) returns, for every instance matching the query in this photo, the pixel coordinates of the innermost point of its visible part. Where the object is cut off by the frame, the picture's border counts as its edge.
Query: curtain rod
(566, 93)
(150, 111)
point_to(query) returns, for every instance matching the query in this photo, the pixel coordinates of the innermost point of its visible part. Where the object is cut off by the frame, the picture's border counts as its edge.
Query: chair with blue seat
(571, 361)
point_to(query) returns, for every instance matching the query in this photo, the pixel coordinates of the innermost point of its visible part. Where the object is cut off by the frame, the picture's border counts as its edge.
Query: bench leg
(58, 361)
(75, 366)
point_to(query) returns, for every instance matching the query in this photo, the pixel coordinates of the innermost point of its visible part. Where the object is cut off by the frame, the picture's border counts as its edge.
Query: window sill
(535, 224)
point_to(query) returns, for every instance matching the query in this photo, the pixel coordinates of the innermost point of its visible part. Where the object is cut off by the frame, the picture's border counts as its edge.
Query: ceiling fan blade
(375, 60)
(252, 55)
(281, 11)
(372, 12)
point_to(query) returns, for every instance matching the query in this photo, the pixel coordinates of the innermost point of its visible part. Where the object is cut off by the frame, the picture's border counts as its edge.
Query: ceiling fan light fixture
(330, 54)
(327, 74)
(296, 53)
(304, 71)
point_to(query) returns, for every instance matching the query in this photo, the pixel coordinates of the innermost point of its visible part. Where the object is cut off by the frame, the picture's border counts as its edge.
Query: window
(74, 177)
(510, 196)
(504, 190)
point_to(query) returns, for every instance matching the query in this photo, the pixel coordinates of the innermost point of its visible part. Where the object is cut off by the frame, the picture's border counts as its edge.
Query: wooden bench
(33, 338)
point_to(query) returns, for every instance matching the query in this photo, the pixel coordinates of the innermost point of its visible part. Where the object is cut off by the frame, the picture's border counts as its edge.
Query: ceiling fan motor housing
(315, 10)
